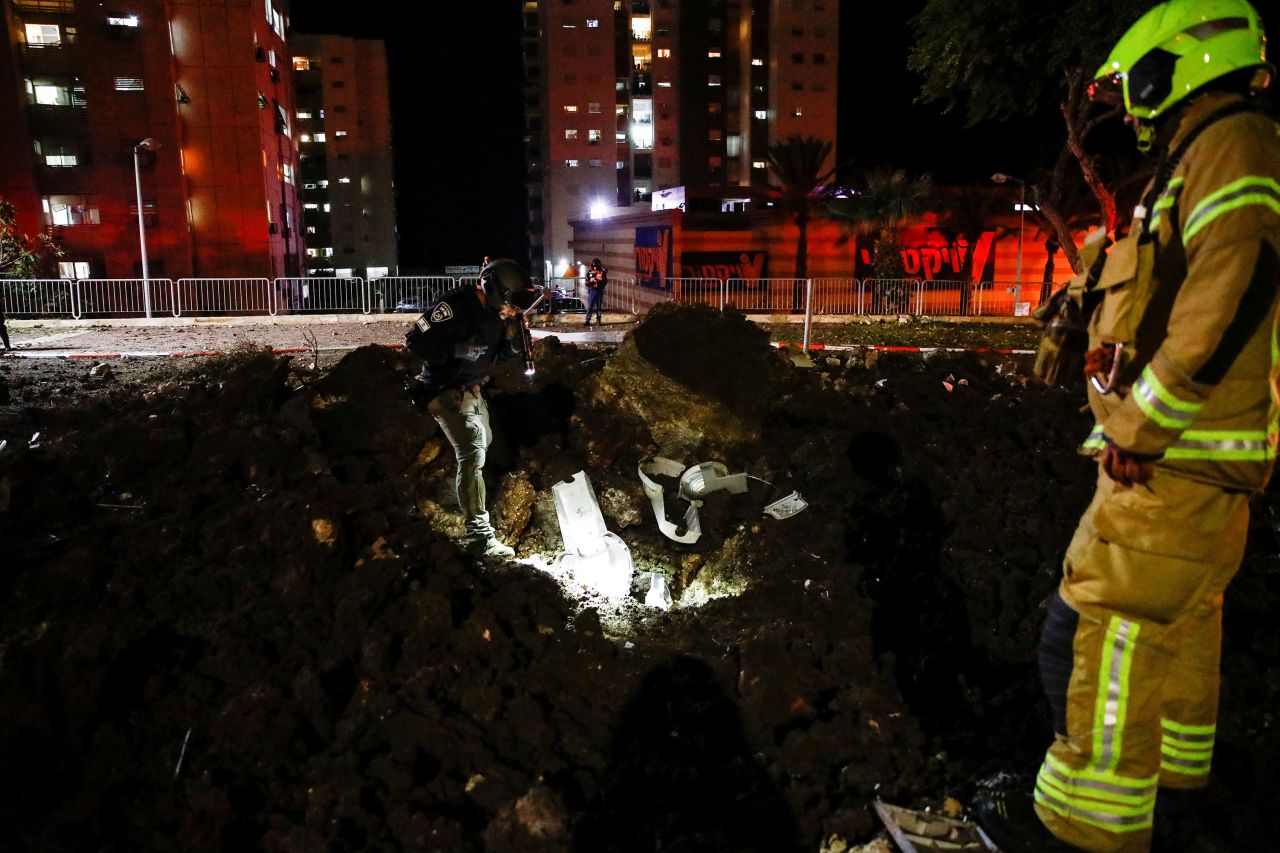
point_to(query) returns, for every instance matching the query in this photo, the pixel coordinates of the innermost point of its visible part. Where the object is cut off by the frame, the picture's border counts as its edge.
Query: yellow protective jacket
(1193, 301)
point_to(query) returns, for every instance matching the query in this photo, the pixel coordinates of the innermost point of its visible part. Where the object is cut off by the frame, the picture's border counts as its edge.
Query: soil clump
(236, 616)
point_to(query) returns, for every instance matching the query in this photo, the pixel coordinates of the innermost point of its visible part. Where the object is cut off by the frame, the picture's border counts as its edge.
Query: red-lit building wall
(196, 78)
(763, 245)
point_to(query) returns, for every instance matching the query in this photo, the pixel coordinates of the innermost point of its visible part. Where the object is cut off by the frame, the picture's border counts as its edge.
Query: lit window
(271, 57)
(301, 63)
(620, 110)
(305, 137)
(131, 21)
(572, 164)
(311, 229)
(797, 112)
(569, 26)
(619, 137)
(344, 180)
(713, 80)
(288, 172)
(664, 84)
(592, 23)
(56, 154)
(323, 183)
(594, 162)
(571, 108)
(593, 136)
(664, 53)
(620, 164)
(338, 134)
(733, 145)
(308, 186)
(318, 137)
(129, 84)
(757, 62)
(713, 135)
(73, 269)
(304, 114)
(759, 164)
(311, 205)
(43, 35)
(64, 210)
(571, 133)
(326, 208)
(50, 94)
(713, 54)
(762, 114)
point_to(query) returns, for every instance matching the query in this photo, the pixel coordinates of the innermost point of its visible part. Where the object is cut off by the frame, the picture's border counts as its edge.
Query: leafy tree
(22, 256)
(999, 59)
(885, 201)
(804, 181)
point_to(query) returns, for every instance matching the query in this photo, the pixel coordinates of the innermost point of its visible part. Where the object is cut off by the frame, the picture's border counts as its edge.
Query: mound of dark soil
(234, 616)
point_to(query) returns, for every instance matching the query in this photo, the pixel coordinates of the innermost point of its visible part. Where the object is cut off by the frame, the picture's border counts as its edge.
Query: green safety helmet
(1175, 49)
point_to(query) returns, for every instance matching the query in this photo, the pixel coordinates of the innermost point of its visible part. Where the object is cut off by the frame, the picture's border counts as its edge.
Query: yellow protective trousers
(1142, 587)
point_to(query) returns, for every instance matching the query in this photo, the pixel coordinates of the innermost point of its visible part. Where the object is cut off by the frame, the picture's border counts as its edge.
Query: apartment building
(626, 99)
(345, 165)
(190, 101)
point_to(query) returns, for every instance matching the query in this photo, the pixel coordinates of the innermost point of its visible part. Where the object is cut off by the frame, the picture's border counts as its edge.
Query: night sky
(458, 112)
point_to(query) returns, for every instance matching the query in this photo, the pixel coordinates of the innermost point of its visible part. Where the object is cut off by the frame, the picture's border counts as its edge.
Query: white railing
(124, 297)
(223, 296)
(187, 297)
(38, 297)
(407, 294)
(320, 295)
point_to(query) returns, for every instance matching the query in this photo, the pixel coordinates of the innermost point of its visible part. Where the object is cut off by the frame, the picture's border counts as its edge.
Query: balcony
(641, 84)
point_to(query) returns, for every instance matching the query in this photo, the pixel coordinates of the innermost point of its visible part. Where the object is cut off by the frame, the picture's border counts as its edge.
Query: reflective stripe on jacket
(1201, 370)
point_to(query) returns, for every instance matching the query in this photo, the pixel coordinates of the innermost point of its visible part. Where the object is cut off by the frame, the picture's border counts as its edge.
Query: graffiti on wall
(723, 265)
(931, 256)
(653, 256)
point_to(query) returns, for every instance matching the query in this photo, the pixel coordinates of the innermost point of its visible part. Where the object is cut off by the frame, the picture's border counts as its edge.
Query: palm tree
(886, 200)
(800, 166)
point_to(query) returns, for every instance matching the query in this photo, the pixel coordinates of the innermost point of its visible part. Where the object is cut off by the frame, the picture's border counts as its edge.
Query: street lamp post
(1000, 178)
(147, 144)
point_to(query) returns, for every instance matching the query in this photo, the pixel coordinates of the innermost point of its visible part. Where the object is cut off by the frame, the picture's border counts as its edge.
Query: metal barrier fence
(101, 298)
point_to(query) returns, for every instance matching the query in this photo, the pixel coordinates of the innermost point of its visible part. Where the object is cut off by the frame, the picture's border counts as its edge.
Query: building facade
(344, 141)
(626, 99)
(190, 100)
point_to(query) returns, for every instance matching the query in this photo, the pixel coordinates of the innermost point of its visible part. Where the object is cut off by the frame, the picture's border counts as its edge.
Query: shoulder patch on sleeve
(441, 312)
(422, 323)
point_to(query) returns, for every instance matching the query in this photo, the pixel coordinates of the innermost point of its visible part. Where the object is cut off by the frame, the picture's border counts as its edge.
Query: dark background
(458, 111)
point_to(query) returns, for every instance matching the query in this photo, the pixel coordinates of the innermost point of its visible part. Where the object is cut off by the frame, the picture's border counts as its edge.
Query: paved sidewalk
(155, 338)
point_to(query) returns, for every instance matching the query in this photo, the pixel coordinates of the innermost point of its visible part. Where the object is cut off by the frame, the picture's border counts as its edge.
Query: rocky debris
(254, 572)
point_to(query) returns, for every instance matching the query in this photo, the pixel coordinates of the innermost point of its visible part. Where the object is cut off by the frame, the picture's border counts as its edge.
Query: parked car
(412, 304)
(559, 302)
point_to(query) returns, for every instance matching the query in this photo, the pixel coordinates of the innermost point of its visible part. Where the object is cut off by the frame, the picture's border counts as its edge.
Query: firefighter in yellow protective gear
(1183, 354)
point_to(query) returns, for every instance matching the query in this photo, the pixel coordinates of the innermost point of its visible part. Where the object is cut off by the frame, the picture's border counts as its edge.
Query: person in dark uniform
(460, 338)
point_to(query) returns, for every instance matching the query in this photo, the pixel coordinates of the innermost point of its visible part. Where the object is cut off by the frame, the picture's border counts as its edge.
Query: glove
(419, 393)
(1098, 361)
(1125, 467)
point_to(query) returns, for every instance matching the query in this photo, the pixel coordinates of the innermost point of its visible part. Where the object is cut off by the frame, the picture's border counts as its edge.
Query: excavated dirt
(234, 616)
